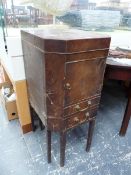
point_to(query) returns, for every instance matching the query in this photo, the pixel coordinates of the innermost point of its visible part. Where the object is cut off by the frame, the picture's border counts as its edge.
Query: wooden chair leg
(126, 118)
(49, 146)
(90, 134)
(62, 148)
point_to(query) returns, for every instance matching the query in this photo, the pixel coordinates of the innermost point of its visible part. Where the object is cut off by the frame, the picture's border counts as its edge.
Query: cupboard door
(83, 79)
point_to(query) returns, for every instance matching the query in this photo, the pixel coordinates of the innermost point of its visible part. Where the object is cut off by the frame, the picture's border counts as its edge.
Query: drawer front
(59, 124)
(82, 106)
(80, 118)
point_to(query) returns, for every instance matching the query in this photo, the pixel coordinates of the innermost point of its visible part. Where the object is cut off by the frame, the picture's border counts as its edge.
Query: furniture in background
(119, 71)
(13, 69)
(22, 103)
(8, 100)
(64, 71)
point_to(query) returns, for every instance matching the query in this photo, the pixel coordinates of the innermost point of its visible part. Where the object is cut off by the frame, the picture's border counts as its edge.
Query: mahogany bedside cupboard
(64, 71)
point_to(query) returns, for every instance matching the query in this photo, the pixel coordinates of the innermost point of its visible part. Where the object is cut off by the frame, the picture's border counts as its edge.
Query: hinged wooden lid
(65, 41)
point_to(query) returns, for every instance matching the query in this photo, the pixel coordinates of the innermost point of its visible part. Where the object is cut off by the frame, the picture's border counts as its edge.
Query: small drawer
(57, 124)
(80, 118)
(82, 106)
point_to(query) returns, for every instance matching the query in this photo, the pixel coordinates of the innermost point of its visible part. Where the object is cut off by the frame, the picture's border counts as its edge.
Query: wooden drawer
(82, 106)
(58, 124)
(80, 117)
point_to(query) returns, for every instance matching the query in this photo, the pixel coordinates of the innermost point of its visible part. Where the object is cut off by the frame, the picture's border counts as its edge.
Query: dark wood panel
(88, 44)
(87, 55)
(54, 83)
(35, 72)
(85, 79)
(118, 73)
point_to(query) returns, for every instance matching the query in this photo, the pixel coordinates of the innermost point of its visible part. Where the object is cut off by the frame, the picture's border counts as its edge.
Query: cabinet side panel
(34, 70)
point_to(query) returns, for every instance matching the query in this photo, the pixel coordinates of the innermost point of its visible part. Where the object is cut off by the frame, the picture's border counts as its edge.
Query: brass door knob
(77, 108)
(87, 114)
(89, 102)
(67, 86)
(76, 119)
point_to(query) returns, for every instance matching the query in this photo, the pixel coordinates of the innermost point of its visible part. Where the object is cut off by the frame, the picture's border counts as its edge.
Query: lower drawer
(63, 124)
(80, 118)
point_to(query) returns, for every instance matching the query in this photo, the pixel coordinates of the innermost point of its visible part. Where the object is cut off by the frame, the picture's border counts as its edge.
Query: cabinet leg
(90, 134)
(32, 119)
(62, 148)
(42, 127)
(49, 146)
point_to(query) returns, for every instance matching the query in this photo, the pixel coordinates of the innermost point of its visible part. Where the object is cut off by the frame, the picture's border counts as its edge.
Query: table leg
(49, 146)
(127, 116)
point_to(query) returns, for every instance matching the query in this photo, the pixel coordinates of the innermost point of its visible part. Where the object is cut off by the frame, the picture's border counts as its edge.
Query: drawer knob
(76, 119)
(87, 114)
(89, 102)
(67, 86)
(77, 108)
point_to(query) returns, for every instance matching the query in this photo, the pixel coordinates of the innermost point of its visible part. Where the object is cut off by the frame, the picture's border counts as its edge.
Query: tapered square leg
(49, 146)
(90, 134)
(62, 148)
(42, 127)
(32, 118)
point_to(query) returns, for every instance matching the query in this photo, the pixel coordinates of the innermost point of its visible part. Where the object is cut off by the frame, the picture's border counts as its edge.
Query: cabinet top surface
(64, 34)
(65, 41)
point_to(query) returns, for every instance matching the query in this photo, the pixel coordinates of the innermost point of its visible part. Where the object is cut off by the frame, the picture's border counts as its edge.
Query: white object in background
(14, 67)
(3, 53)
(6, 91)
(13, 62)
(12, 97)
(124, 48)
(121, 61)
(18, 67)
(2, 91)
(14, 46)
(54, 7)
